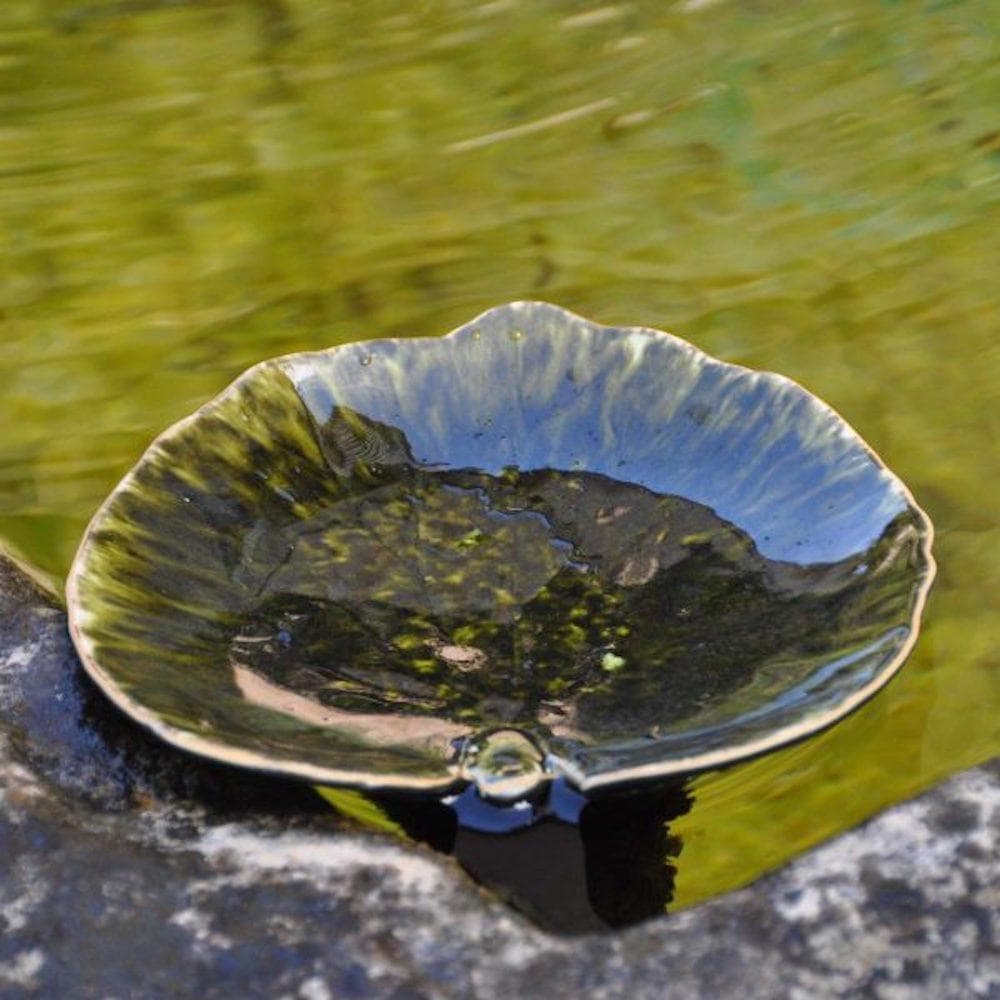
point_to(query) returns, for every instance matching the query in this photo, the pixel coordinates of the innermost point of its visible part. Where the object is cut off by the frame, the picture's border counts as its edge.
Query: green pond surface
(190, 186)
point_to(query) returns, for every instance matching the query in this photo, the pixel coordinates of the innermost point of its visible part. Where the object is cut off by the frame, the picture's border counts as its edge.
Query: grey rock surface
(130, 870)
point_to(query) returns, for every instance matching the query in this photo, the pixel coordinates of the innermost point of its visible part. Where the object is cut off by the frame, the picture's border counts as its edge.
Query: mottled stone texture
(129, 870)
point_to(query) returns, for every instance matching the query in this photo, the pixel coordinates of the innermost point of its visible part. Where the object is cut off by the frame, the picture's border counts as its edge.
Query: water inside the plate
(571, 606)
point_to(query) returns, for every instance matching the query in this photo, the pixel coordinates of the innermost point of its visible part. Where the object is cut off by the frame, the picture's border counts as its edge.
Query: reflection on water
(186, 188)
(421, 606)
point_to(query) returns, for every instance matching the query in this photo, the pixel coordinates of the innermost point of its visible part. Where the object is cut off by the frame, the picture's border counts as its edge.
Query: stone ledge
(127, 869)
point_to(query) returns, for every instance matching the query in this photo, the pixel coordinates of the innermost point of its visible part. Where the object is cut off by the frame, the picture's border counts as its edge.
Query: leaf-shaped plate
(535, 546)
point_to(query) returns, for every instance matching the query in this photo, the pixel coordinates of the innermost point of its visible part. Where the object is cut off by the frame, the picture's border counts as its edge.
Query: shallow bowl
(534, 547)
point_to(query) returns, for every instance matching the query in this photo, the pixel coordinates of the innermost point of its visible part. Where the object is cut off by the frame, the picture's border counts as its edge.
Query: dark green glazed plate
(534, 547)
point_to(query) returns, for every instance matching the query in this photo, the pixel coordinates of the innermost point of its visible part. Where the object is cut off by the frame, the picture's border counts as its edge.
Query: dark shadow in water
(570, 864)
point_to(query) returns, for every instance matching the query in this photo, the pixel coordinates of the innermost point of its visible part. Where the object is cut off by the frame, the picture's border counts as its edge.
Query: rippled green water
(188, 186)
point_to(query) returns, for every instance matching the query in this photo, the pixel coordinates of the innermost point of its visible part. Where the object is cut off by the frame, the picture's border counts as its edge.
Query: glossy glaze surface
(535, 546)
